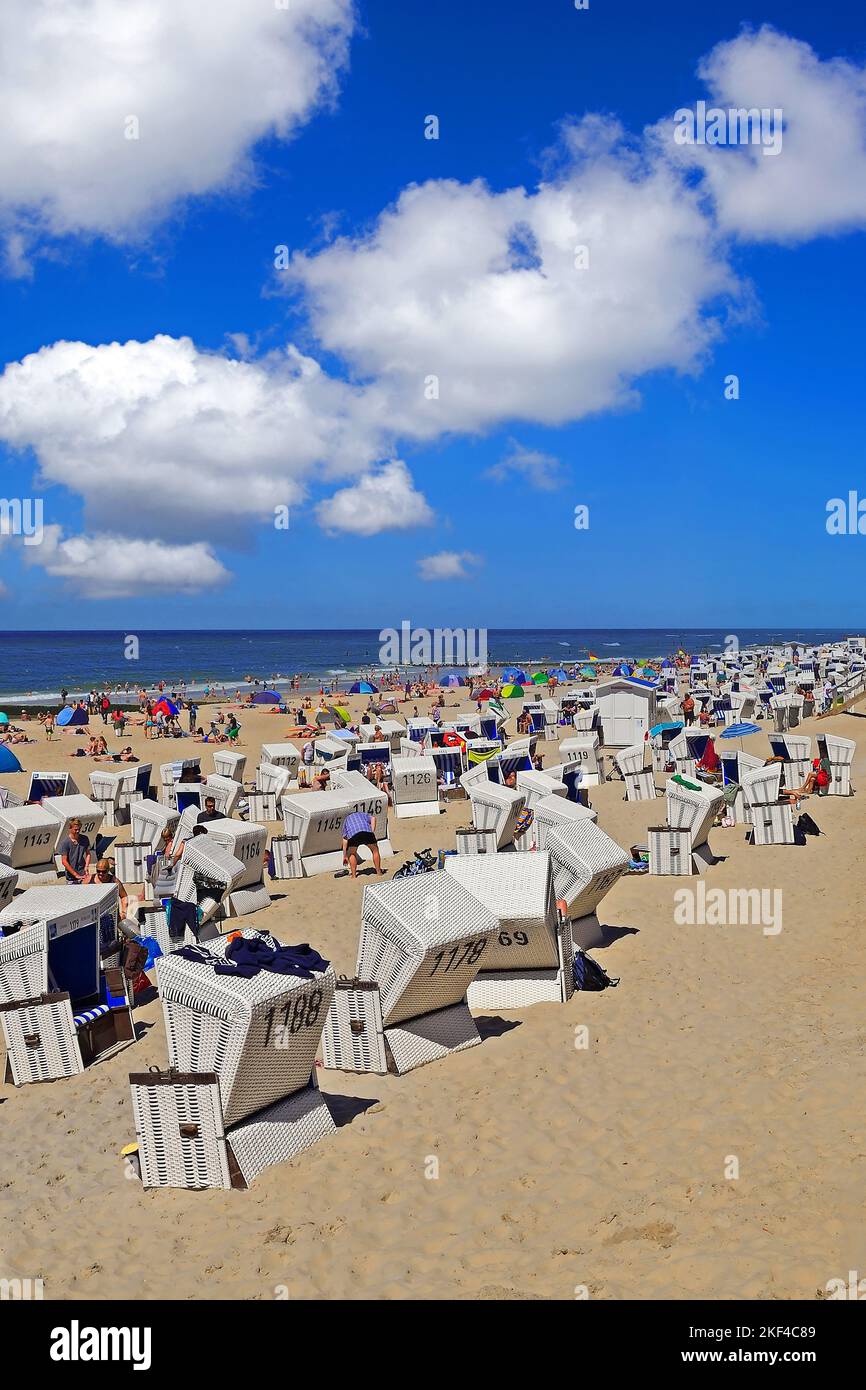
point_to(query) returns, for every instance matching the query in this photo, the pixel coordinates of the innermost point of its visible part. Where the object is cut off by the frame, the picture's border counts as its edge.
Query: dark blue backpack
(588, 974)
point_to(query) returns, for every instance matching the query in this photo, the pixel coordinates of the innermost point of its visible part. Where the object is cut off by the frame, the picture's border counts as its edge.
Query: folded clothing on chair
(246, 955)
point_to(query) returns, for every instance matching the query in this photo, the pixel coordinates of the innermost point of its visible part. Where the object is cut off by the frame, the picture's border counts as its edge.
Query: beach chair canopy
(663, 728)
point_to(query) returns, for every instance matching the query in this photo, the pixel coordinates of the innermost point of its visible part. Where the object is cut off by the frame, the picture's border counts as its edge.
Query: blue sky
(702, 510)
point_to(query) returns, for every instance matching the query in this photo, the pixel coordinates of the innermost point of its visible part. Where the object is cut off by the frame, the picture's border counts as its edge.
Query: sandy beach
(563, 1171)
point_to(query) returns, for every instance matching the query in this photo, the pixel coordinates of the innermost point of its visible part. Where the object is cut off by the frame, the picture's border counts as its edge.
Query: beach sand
(562, 1171)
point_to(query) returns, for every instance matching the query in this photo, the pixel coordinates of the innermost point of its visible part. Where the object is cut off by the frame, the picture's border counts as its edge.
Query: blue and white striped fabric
(91, 1015)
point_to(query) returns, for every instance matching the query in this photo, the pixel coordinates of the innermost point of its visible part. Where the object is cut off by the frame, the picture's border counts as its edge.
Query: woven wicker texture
(41, 1041)
(278, 1133)
(181, 1139)
(27, 835)
(260, 1036)
(517, 890)
(423, 941)
(421, 1040)
(586, 864)
(148, 819)
(24, 964)
(353, 1038)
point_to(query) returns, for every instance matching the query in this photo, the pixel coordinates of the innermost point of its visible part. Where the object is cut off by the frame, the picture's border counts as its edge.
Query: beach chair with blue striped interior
(423, 941)
(414, 786)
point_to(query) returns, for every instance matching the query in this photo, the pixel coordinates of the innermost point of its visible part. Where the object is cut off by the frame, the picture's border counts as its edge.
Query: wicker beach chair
(584, 750)
(639, 780)
(586, 863)
(422, 943)
(246, 842)
(28, 835)
(207, 873)
(537, 786)
(682, 845)
(65, 809)
(241, 1093)
(148, 819)
(285, 755)
(529, 961)
(840, 754)
(496, 808)
(228, 763)
(415, 786)
(554, 811)
(46, 1040)
(24, 963)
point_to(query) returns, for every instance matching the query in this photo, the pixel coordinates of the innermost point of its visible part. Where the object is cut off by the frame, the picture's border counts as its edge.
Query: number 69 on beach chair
(423, 940)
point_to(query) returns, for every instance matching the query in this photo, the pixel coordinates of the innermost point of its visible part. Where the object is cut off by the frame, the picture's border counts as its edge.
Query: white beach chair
(228, 763)
(65, 809)
(682, 845)
(285, 755)
(494, 808)
(246, 842)
(639, 780)
(8, 884)
(207, 874)
(529, 961)
(554, 811)
(422, 943)
(586, 863)
(28, 835)
(241, 1094)
(582, 749)
(148, 819)
(414, 786)
(840, 753)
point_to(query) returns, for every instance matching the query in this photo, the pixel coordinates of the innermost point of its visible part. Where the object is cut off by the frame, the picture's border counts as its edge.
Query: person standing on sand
(74, 851)
(359, 828)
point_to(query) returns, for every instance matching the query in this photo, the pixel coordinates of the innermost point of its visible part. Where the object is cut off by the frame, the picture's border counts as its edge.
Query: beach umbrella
(559, 674)
(363, 688)
(4, 718)
(515, 675)
(267, 697)
(540, 678)
(512, 692)
(622, 669)
(8, 760)
(451, 679)
(166, 707)
(740, 731)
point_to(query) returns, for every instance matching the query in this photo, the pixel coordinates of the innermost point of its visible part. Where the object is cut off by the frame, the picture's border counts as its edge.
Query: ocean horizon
(36, 665)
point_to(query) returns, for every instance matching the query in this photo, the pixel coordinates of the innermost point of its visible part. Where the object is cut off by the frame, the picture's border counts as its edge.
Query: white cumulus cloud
(384, 500)
(540, 470)
(205, 82)
(816, 182)
(448, 564)
(112, 566)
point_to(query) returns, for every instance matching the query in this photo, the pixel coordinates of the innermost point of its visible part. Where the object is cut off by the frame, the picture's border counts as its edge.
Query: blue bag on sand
(589, 975)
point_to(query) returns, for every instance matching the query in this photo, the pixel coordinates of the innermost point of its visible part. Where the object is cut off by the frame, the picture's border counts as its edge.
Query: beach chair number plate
(302, 1012)
(518, 938)
(454, 958)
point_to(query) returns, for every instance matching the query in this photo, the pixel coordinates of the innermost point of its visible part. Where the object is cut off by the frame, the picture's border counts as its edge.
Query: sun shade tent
(529, 961)
(166, 707)
(363, 688)
(452, 679)
(71, 717)
(422, 943)
(8, 760)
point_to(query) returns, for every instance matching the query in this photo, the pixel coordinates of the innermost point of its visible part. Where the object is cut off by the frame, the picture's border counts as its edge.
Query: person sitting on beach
(322, 780)
(209, 813)
(127, 756)
(104, 874)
